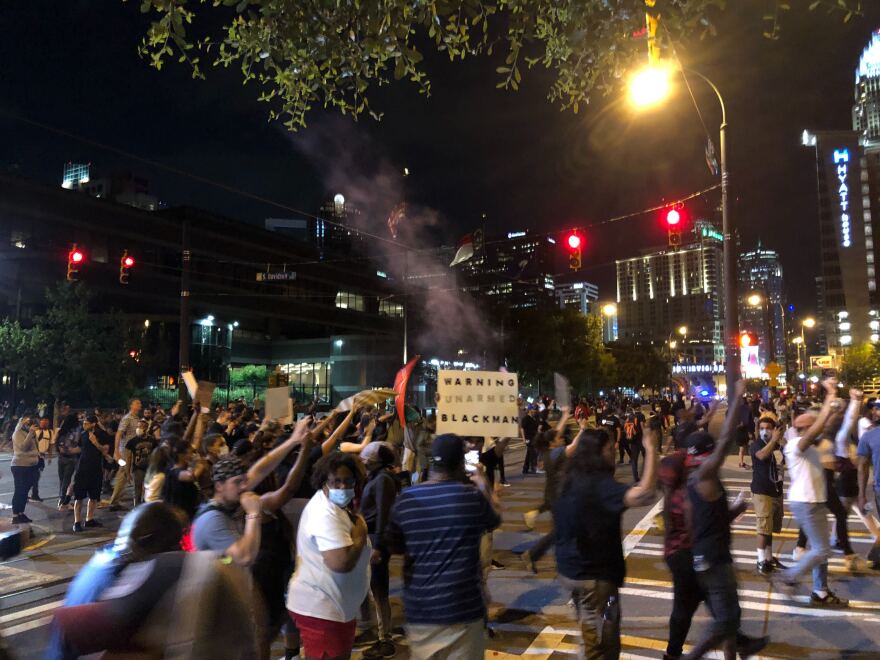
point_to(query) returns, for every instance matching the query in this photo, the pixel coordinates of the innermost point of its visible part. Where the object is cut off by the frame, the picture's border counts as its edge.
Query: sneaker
(497, 566)
(530, 517)
(529, 562)
(506, 484)
(77, 527)
(830, 600)
(797, 553)
(748, 646)
(366, 637)
(384, 648)
(778, 564)
(92, 523)
(765, 567)
(854, 563)
(20, 519)
(35, 498)
(538, 472)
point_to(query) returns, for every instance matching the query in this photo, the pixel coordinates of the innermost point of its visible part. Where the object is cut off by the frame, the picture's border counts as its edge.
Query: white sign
(698, 368)
(841, 160)
(477, 403)
(279, 405)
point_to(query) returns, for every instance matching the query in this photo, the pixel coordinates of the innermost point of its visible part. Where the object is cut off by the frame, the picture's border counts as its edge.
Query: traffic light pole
(186, 264)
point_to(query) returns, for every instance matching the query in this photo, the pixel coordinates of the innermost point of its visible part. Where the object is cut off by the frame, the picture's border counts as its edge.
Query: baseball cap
(447, 451)
(380, 452)
(227, 467)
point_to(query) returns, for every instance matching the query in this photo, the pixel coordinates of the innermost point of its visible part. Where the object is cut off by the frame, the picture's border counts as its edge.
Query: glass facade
(309, 380)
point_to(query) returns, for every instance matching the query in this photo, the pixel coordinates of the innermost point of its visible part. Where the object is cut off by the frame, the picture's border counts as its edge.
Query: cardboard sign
(367, 397)
(279, 405)
(478, 403)
(200, 391)
(562, 390)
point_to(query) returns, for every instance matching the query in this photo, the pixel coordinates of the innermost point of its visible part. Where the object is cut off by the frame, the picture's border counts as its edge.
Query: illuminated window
(348, 300)
(391, 308)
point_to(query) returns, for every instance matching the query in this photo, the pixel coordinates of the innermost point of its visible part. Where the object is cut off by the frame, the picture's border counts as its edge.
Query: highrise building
(120, 187)
(663, 292)
(760, 275)
(580, 295)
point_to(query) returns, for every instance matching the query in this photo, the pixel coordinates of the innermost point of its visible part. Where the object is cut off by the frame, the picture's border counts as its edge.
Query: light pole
(647, 88)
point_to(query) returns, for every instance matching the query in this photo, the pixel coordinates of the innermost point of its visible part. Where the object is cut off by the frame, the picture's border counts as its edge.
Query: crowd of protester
(243, 532)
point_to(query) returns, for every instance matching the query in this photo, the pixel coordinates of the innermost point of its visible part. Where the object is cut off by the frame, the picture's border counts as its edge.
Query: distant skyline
(471, 149)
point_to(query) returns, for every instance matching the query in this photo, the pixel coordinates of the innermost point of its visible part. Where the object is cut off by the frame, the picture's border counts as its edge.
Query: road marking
(39, 544)
(23, 614)
(24, 627)
(643, 527)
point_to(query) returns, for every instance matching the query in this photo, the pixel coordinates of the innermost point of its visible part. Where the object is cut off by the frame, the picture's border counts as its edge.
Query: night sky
(472, 149)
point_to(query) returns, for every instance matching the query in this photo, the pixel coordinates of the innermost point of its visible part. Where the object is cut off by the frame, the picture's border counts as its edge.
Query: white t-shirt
(314, 589)
(864, 425)
(805, 472)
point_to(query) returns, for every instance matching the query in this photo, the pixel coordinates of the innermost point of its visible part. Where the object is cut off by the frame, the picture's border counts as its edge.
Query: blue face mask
(340, 496)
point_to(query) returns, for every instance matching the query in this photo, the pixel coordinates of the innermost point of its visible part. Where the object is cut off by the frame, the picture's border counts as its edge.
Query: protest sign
(477, 403)
(279, 405)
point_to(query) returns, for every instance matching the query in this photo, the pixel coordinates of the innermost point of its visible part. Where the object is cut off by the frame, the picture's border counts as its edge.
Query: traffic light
(673, 219)
(125, 264)
(747, 339)
(74, 259)
(575, 243)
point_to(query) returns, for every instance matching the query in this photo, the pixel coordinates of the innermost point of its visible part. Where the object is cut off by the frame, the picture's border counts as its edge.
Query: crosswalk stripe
(24, 627)
(23, 614)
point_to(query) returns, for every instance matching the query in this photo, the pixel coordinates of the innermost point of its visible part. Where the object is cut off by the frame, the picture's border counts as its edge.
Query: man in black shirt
(611, 423)
(766, 492)
(589, 553)
(710, 533)
(529, 429)
(96, 445)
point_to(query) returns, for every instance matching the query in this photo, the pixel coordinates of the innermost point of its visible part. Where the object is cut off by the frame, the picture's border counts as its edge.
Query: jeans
(501, 469)
(23, 477)
(35, 488)
(811, 516)
(718, 583)
(635, 449)
(597, 604)
(66, 468)
(530, 462)
(137, 476)
(122, 476)
(686, 598)
(380, 579)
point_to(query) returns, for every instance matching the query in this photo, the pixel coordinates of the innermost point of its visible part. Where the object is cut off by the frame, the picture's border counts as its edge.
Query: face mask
(764, 434)
(340, 496)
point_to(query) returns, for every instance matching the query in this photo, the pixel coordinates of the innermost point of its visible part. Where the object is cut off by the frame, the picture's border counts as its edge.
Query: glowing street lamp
(683, 330)
(609, 309)
(754, 300)
(809, 322)
(650, 86)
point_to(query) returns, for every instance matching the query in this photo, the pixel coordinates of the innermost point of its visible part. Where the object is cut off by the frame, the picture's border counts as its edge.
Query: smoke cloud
(444, 319)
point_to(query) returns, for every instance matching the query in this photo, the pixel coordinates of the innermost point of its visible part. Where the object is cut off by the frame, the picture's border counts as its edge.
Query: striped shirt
(439, 526)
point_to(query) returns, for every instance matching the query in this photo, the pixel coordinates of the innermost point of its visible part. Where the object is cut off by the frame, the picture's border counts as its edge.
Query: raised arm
(814, 433)
(767, 450)
(643, 492)
(263, 467)
(278, 498)
(330, 443)
(841, 440)
(710, 467)
(358, 447)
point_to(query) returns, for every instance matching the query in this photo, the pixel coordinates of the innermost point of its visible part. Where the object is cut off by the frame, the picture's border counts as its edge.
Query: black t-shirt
(766, 478)
(91, 459)
(530, 427)
(141, 446)
(587, 516)
(183, 494)
(489, 459)
(611, 423)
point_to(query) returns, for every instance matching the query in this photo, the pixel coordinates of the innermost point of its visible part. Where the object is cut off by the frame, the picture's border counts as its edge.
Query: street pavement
(529, 613)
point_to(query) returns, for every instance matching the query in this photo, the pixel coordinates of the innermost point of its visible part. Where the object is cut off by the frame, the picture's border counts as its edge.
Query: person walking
(24, 468)
(68, 449)
(127, 431)
(808, 497)
(589, 553)
(438, 526)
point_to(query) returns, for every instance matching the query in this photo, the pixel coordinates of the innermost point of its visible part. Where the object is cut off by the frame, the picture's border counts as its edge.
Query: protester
(868, 458)
(528, 431)
(808, 497)
(633, 432)
(333, 561)
(589, 553)
(24, 467)
(438, 526)
(377, 500)
(96, 445)
(44, 436)
(767, 492)
(126, 431)
(139, 449)
(68, 449)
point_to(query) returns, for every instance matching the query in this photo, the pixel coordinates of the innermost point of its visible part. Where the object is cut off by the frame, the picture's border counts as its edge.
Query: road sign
(773, 370)
(286, 276)
(821, 362)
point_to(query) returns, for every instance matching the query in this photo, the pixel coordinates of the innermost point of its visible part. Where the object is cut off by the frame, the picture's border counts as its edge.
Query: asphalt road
(529, 613)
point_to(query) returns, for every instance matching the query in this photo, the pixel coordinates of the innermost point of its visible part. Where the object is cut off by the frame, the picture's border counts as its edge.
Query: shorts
(87, 488)
(742, 437)
(324, 638)
(768, 514)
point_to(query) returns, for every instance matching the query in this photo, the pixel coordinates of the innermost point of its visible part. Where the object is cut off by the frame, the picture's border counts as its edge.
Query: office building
(760, 281)
(665, 291)
(582, 296)
(121, 187)
(515, 271)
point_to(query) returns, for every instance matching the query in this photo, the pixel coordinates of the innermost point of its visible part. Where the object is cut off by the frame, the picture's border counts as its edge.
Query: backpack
(630, 428)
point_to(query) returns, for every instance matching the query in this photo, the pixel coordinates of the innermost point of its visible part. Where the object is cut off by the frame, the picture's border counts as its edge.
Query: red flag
(401, 380)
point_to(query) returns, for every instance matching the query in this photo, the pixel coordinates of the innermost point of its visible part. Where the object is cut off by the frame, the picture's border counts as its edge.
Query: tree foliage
(303, 54)
(564, 341)
(640, 366)
(861, 364)
(70, 352)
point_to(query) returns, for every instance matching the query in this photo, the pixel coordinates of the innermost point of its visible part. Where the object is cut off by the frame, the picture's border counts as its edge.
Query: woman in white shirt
(333, 550)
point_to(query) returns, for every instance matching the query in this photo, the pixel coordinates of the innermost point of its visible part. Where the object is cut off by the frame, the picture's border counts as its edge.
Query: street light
(648, 88)
(609, 309)
(754, 300)
(683, 330)
(809, 322)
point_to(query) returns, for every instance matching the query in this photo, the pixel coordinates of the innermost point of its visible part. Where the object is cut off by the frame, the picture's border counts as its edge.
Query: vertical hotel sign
(840, 158)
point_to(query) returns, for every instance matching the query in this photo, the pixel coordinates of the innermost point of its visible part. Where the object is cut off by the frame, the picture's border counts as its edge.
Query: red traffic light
(128, 262)
(574, 241)
(673, 218)
(76, 257)
(746, 340)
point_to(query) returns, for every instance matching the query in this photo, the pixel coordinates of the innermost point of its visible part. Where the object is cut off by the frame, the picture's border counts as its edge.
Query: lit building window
(348, 300)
